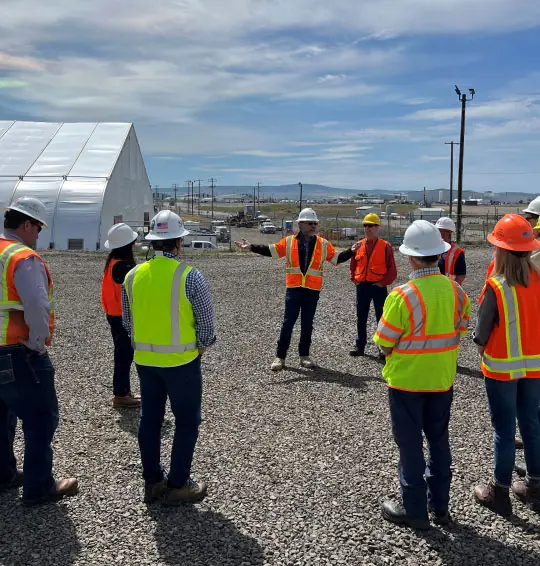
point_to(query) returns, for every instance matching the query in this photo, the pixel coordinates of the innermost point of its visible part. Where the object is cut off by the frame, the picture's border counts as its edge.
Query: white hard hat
(166, 225)
(31, 207)
(422, 239)
(307, 215)
(534, 207)
(120, 235)
(445, 223)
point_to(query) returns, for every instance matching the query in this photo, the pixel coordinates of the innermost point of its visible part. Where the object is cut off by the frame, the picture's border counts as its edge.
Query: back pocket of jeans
(6, 370)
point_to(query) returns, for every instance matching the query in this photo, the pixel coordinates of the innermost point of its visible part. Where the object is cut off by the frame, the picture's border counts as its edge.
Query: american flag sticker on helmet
(162, 225)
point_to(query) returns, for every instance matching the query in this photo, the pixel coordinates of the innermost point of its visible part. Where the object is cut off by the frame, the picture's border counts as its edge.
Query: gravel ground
(297, 462)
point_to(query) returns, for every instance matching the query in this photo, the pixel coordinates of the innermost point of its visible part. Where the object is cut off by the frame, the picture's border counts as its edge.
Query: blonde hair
(515, 267)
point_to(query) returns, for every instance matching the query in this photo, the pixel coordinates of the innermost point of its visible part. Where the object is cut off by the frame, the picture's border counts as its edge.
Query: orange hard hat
(514, 233)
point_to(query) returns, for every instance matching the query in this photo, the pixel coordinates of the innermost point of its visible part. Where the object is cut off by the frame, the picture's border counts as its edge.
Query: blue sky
(349, 93)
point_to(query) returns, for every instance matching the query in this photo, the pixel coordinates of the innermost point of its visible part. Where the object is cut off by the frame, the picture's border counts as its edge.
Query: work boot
(61, 488)
(357, 352)
(395, 513)
(528, 492)
(278, 364)
(192, 492)
(128, 401)
(154, 491)
(494, 497)
(438, 518)
(521, 470)
(16, 482)
(307, 362)
(518, 443)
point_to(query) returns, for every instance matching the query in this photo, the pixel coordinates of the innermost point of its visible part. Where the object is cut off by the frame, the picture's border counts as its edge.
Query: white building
(364, 210)
(429, 214)
(88, 175)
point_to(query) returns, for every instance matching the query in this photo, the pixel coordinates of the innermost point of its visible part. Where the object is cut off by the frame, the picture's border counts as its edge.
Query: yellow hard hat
(372, 218)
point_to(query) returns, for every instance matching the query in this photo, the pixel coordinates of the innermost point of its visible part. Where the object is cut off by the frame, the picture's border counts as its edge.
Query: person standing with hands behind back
(373, 268)
(121, 241)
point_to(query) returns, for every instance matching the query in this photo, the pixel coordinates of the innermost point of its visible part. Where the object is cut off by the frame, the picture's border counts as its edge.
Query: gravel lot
(296, 462)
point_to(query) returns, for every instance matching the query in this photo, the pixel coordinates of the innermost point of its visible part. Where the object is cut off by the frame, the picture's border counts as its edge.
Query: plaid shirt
(198, 294)
(424, 272)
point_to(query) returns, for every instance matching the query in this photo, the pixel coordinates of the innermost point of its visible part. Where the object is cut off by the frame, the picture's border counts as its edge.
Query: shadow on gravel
(128, 421)
(36, 535)
(325, 375)
(186, 536)
(462, 545)
(462, 370)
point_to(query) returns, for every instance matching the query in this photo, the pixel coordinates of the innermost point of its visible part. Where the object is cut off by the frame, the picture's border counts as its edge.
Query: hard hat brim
(44, 224)
(107, 245)
(405, 250)
(525, 247)
(173, 236)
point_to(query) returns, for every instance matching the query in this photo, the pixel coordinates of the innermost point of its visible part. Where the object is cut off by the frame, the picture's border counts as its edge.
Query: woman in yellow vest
(121, 241)
(507, 338)
(420, 330)
(167, 307)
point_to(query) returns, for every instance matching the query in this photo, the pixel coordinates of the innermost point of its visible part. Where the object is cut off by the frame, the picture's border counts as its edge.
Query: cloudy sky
(348, 93)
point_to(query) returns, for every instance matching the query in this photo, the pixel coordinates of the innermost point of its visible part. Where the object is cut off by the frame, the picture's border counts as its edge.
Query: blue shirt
(198, 294)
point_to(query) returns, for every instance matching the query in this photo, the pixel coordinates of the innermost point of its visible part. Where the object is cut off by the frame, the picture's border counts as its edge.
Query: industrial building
(88, 175)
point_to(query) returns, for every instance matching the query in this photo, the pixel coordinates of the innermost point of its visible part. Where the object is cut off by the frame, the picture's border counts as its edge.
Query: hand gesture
(243, 244)
(356, 245)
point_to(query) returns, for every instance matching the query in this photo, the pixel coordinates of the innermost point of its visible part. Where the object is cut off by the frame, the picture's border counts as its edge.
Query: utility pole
(300, 185)
(192, 197)
(212, 181)
(254, 188)
(425, 199)
(199, 203)
(188, 183)
(258, 196)
(463, 98)
(451, 144)
(174, 187)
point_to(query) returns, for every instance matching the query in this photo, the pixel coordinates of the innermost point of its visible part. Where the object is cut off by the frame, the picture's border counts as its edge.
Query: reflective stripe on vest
(451, 258)
(516, 363)
(176, 347)
(417, 340)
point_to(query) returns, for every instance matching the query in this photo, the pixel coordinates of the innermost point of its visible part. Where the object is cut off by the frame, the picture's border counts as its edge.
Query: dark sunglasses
(312, 223)
(39, 226)
(369, 225)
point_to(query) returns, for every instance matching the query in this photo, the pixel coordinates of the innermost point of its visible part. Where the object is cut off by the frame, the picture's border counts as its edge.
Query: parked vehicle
(202, 245)
(267, 228)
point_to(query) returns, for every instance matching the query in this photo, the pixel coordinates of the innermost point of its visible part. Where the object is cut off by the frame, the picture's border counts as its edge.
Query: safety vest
(111, 292)
(423, 321)
(313, 278)
(371, 268)
(450, 260)
(490, 269)
(513, 348)
(13, 327)
(163, 330)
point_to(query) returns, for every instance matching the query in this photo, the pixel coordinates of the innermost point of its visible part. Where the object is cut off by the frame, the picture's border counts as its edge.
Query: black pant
(123, 356)
(365, 293)
(413, 413)
(303, 302)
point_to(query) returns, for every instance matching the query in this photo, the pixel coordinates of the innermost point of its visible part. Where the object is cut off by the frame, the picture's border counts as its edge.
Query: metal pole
(199, 204)
(460, 173)
(451, 144)
(300, 196)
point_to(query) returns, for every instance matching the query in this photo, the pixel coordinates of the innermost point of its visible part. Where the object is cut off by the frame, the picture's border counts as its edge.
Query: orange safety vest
(490, 269)
(111, 292)
(450, 261)
(513, 348)
(12, 324)
(371, 268)
(313, 279)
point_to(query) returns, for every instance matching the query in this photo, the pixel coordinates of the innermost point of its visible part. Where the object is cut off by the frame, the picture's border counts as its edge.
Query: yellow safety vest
(423, 321)
(162, 320)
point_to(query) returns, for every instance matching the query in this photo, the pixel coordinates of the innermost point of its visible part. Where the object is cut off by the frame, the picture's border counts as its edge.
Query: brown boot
(192, 492)
(528, 492)
(128, 401)
(494, 497)
(61, 488)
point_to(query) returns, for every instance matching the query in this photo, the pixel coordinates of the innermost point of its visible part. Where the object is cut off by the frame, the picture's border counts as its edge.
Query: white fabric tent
(88, 175)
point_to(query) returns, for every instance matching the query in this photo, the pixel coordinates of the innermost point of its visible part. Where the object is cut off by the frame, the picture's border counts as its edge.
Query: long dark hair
(125, 253)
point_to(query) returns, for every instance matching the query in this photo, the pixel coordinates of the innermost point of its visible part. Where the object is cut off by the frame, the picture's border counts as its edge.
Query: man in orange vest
(26, 372)
(452, 263)
(373, 268)
(305, 256)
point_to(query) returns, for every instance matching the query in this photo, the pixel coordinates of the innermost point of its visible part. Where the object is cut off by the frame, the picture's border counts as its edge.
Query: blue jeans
(303, 302)
(183, 386)
(507, 400)
(27, 392)
(365, 293)
(412, 413)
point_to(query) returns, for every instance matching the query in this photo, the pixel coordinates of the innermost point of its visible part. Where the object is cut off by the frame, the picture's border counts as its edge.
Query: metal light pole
(451, 144)
(300, 185)
(463, 98)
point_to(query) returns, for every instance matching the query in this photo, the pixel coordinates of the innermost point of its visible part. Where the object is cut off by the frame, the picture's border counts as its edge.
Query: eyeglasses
(39, 226)
(312, 223)
(369, 225)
